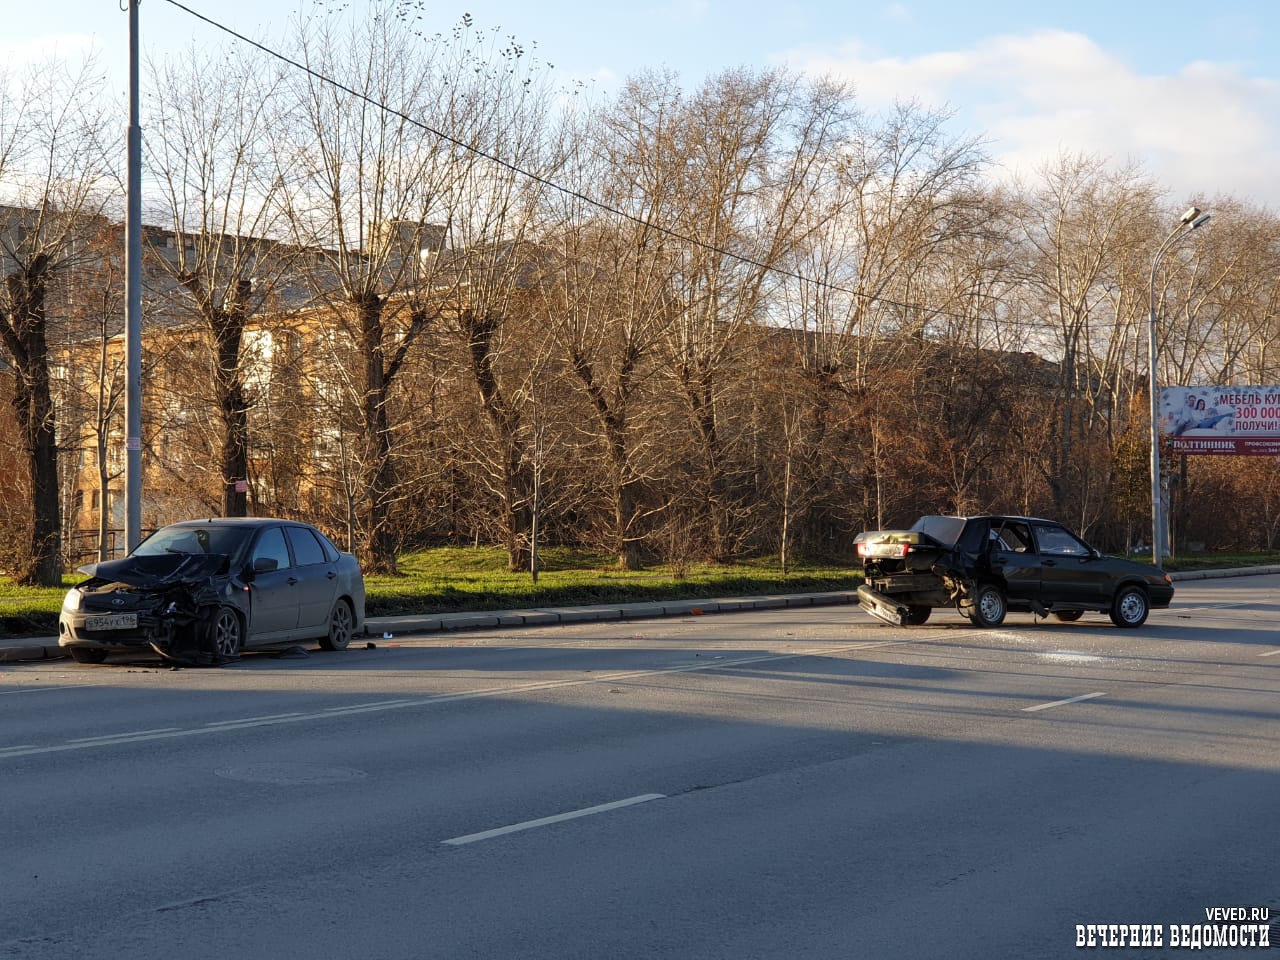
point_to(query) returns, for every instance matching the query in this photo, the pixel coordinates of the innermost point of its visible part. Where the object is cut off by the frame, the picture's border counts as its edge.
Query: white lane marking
(17, 749)
(361, 706)
(1270, 653)
(377, 707)
(1059, 703)
(558, 818)
(117, 736)
(1071, 656)
(230, 723)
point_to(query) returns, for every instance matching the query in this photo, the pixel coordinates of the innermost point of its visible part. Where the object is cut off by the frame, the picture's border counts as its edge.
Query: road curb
(46, 648)
(30, 650)
(1220, 574)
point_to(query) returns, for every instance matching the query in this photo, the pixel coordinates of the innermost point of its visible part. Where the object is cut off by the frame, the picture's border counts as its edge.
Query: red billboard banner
(1231, 421)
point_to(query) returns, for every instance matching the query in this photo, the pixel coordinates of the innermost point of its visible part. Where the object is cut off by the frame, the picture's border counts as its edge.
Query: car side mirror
(1095, 553)
(265, 564)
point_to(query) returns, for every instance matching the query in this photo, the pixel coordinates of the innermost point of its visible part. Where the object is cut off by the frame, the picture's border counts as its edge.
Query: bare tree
(220, 190)
(607, 297)
(89, 380)
(735, 169)
(51, 153)
(1077, 227)
(364, 181)
(902, 254)
(506, 151)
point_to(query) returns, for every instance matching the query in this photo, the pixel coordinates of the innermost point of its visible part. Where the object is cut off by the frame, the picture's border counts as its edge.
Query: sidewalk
(46, 648)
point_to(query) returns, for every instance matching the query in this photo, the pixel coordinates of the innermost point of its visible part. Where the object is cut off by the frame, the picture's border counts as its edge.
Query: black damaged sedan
(988, 565)
(202, 591)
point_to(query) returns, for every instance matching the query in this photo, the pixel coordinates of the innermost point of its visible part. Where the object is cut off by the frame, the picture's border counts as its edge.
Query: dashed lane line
(1062, 703)
(557, 818)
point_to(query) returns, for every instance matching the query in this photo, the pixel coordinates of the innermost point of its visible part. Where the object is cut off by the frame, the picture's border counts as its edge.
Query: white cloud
(1203, 130)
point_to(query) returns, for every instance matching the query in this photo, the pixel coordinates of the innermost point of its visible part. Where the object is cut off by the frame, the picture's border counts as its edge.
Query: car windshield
(204, 539)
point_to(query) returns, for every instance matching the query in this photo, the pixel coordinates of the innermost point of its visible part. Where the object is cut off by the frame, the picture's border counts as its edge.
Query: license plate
(114, 621)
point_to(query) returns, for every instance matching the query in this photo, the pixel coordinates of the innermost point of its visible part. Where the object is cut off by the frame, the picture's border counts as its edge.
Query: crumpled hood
(157, 571)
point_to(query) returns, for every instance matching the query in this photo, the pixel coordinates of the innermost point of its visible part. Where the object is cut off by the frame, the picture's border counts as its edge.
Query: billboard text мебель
(1221, 420)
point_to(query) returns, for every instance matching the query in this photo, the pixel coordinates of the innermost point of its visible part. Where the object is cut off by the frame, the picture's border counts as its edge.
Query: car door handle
(331, 575)
(292, 581)
(1050, 563)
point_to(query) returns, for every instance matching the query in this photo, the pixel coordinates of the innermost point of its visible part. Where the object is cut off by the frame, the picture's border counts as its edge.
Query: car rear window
(945, 530)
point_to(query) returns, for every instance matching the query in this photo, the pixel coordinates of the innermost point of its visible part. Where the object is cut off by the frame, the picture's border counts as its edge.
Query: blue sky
(1191, 91)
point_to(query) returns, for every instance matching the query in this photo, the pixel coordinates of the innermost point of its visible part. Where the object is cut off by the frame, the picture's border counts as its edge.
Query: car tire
(917, 615)
(87, 654)
(1068, 616)
(989, 606)
(226, 634)
(341, 627)
(1130, 607)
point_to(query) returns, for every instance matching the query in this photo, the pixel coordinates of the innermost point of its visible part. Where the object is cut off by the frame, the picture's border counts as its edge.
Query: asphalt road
(783, 784)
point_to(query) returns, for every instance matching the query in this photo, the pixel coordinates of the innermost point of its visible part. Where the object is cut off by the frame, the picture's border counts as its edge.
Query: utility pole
(133, 319)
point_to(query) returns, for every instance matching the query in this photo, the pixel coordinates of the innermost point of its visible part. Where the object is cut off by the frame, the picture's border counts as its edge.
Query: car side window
(1011, 536)
(1059, 543)
(306, 549)
(271, 546)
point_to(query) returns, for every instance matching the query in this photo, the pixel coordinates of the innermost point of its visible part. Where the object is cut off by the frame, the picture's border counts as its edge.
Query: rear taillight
(891, 551)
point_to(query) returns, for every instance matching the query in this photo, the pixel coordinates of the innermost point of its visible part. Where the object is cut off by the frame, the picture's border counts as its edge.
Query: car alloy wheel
(341, 627)
(225, 633)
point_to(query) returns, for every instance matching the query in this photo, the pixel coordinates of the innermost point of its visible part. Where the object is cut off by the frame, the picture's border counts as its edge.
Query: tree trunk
(380, 545)
(627, 548)
(228, 329)
(33, 403)
(613, 419)
(517, 478)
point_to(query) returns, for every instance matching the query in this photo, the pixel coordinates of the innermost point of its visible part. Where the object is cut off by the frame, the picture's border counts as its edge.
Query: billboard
(1241, 421)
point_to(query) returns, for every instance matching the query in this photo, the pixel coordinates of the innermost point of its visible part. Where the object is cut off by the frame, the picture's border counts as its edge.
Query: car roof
(237, 522)
(1002, 516)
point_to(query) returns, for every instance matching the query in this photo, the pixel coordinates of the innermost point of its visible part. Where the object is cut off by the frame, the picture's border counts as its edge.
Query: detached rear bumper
(883, 607)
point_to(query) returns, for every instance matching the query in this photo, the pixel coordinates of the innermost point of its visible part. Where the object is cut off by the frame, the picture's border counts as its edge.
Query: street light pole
(1190, 220)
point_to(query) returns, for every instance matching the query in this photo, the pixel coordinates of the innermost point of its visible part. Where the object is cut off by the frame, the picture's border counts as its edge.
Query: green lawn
(455, 578)
(462, 578)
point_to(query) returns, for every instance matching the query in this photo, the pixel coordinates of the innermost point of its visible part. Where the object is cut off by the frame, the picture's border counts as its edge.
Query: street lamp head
(1201, 220)
(1191, 214)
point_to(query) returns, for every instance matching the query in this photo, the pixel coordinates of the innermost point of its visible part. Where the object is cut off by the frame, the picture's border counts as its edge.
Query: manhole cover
(290, 773)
